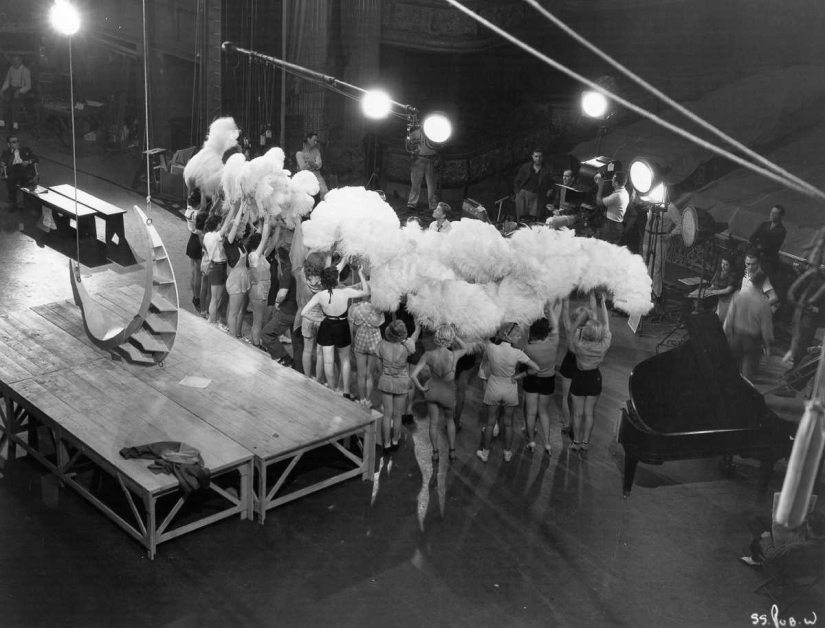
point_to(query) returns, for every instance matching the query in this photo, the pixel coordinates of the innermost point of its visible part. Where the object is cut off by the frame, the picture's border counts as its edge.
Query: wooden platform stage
(257, 424)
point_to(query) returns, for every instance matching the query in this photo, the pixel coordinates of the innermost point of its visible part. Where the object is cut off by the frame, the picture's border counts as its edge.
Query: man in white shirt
(615, 205)
(768, 291)
(441, 224)
(18, 83)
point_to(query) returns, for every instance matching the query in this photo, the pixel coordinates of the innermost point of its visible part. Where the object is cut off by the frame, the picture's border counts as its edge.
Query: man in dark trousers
(532, 185)
(19, 168)
(768, 239)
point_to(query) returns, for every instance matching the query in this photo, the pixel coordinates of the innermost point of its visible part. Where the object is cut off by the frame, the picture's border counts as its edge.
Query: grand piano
(691, 402)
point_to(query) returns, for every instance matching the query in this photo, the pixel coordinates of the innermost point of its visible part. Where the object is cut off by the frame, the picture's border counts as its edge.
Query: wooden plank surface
(65, 205)
(253, 397)
(107, 409)
(264, 407)
(46, 359)
(93, 202)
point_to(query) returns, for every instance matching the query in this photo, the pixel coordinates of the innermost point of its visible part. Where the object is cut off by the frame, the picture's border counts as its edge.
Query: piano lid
(696, 386)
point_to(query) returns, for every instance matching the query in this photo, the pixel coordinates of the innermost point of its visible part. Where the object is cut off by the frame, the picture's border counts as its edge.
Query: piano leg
(766, 464)
(630, 463)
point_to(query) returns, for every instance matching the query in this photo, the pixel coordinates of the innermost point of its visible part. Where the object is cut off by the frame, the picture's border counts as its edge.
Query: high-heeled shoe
(583, 447)
(575, 446)
(452, 454)
(435, 455)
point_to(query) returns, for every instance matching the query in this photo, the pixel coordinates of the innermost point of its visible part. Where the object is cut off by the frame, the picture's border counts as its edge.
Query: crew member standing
(422, 168)
(615, 205)
(532, 183)
(748, 325)
(767, 240)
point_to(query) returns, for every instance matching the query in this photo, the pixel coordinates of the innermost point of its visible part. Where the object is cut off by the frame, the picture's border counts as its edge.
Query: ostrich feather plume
(205, 168)
(472, 278)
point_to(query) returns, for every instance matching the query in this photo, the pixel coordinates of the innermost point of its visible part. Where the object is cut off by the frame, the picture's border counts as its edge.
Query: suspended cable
(196, 106)
(664, 97)
(806, 189)
(74, 158)
(146, 123)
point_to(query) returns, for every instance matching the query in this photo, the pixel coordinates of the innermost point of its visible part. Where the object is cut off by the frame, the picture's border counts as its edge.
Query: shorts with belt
(500, 391)
(334, 332)
(216, 273)
(586, 383)
(540, 385)
(194, 250)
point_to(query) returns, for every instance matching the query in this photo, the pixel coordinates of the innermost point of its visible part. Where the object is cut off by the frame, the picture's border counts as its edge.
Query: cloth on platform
(173, 458)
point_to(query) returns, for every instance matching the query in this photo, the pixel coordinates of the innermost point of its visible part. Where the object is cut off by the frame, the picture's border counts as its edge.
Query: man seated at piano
(724, 283)
(749, 325)
(564, 197)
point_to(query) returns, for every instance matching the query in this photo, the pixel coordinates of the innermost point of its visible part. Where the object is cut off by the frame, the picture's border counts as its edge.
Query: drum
(697, 225)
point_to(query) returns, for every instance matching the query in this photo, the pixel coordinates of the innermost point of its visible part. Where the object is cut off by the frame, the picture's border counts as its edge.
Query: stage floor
(72, 407)
(539, 541)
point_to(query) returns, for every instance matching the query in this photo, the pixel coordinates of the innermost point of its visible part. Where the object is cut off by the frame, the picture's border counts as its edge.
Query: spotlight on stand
(376, 104)
(64, 18)
(657, 195)
(647, 178)
(594, 104)
(644, 174)
(436, 127)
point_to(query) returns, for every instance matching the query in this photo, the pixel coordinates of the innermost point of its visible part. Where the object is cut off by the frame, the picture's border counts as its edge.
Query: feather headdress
(205, 169)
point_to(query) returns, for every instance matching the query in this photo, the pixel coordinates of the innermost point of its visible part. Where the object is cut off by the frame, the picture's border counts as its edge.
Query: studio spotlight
(437, 128)
(594, 104)
(656, 195)
(64, 17)
(646, 174)
(376, 104)
(642, 175)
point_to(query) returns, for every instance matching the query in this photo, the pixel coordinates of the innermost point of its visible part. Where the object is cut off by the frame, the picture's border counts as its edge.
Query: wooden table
(271, 410)
(72, 408)
(57, 113)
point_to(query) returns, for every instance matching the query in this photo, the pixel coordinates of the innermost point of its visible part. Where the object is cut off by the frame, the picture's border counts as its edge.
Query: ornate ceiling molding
(435, 26)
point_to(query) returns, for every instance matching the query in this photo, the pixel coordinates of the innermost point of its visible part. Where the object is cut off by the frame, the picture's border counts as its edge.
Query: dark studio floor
(541, 541)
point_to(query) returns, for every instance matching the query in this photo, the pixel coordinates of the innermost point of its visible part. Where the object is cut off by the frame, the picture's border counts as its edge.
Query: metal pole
(74, 159)
(331, 81)
(284, 15)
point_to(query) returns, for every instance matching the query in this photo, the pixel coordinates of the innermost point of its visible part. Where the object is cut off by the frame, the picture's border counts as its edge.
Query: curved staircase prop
(148, 338)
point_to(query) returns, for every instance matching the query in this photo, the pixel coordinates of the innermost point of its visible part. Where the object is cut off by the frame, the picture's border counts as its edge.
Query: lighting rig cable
(664, 97)
(804, 188)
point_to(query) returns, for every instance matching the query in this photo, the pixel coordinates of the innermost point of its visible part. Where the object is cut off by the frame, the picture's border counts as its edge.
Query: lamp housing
(436, 127)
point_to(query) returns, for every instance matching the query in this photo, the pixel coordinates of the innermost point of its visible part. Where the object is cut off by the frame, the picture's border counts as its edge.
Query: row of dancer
(311, 303)
(507, 361)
